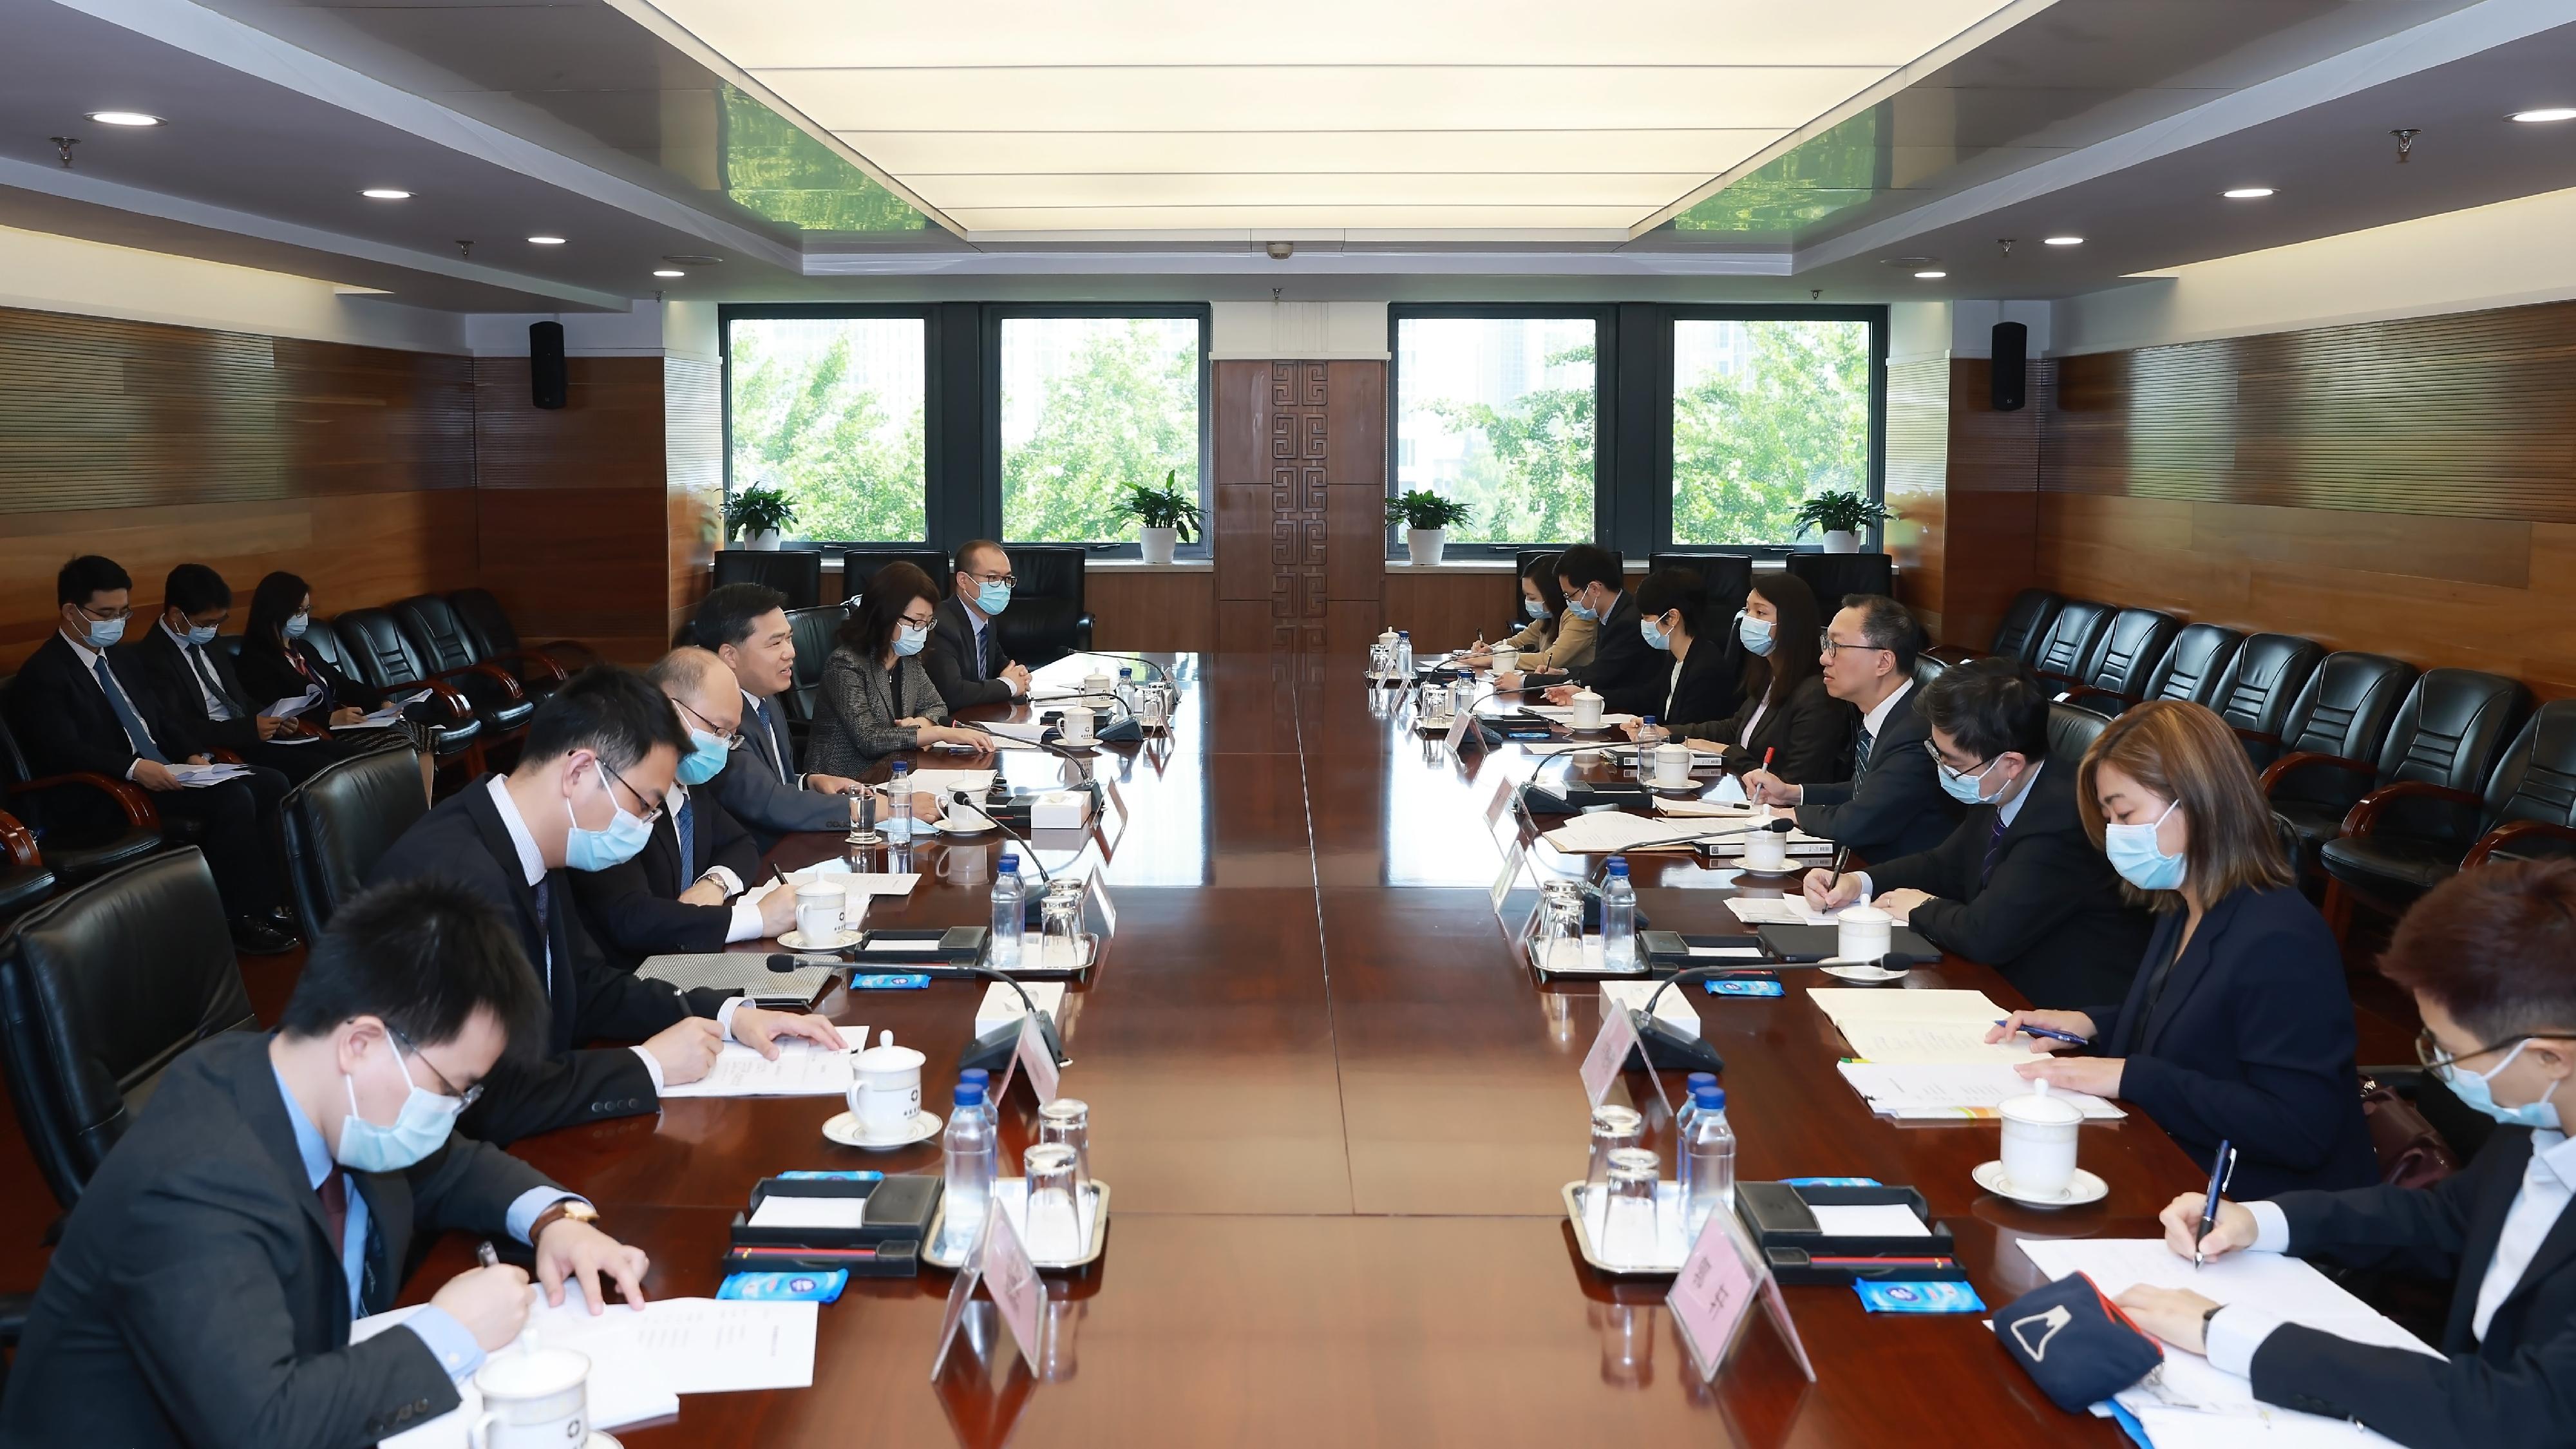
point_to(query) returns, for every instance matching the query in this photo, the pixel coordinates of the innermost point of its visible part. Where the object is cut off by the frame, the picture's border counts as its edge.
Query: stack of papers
(802, 1070)
(1564, 714)
(1002, 1005)
(392, 711)
(290, 708)
(1918, 1091)
(1788, 910)
(198, 777)
(1919, 1027)
(1609, 832)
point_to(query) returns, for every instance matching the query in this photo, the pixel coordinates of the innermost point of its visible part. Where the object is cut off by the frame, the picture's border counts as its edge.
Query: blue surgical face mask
(1533, 607)
(419, 1129)
(705, 759)
(992, 596)
(1966, 789)
(2139, 860)
(103, 633)
(2474, 1089)
(1656, 638)
(1756, 634)
(908, 638)
(621, 841)
(201, 635)
(296, 625)
(1574, 605)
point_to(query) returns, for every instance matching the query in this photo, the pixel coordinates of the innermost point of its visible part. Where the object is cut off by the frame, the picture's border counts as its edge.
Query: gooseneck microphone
(983, 1051)
(967, 799)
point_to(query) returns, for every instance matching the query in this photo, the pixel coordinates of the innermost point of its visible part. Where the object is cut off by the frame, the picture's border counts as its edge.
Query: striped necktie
(1860, 755)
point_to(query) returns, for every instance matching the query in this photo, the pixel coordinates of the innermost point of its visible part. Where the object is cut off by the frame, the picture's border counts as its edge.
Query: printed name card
(1030, 1056)
(1457, 731)
(1013, 1282)
(1513, 859)
(1610, 1049)
(1717, 1287)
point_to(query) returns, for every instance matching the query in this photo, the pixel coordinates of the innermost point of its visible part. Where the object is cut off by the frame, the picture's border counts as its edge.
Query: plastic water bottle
(1010, 912)
(1618, 918)
(899, 801)
(1708, 1162)
(1403, 656)
(968, 1154)
(983, 1081)
(1649, 735)
(1689, 1109)
(1127, 689)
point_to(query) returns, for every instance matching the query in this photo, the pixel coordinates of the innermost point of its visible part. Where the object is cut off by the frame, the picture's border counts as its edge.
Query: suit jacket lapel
(2512, 1158)
(2194, 963)
(255, 1096)
(496, 838)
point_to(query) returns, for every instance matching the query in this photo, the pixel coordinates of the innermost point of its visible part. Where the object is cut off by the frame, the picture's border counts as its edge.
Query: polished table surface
(1337, 1112)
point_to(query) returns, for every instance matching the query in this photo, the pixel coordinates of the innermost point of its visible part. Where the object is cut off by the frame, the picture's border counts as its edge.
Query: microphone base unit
(1667, 1049)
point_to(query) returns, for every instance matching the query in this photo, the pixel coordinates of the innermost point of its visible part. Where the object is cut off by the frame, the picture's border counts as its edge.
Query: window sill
(1139, 566)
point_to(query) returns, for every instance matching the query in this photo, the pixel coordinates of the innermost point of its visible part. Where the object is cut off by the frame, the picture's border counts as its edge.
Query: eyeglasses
(1955, 773)
(1825, 644)
(732, 738)
(920, 623)
(1012, 579)
(2430, 1053)
(652, 808)
(88, 613)
(466, 1095)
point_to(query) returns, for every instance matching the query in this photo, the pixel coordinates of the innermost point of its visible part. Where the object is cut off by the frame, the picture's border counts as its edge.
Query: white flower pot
(1842, 541)
(1425, 544)
(1159, 543)
(766, 540)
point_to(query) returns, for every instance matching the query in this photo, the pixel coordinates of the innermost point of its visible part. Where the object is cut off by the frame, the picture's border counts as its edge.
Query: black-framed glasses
(87, 612)
(1011, 579)
(1826, 644)
(1946, 768)
(912, 623)
(2429, 1051)
(732, 738)
(652, 808)
(466, 1095)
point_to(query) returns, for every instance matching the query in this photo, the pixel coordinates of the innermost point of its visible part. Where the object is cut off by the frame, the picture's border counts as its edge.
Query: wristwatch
(570, 1207)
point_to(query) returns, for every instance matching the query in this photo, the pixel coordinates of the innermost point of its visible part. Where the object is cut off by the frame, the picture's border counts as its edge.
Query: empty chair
(2026, 623)
(2069, 641)
(1728, 577)
(24, 878)
(2072, 731)
(812, 629)
(339, 823)
(2330, 742)
(101, 989)
(374, 648)
(496, 640)
(2527, 808)
(858, 565)
(1047, 618)
(500, 700)
(795, 572)
(2194, 665)
(2114, 675)
(2260, 685)
(80, 839)
(1833, 575)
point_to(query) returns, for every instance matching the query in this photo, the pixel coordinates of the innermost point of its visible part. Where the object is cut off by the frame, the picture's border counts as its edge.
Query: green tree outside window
(1117, 406)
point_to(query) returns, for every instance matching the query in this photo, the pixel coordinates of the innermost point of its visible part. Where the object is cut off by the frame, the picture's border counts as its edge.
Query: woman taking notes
(1785, 721)
(876, 698)
(1553, 639)
(1669, 605)
(2238, 1027)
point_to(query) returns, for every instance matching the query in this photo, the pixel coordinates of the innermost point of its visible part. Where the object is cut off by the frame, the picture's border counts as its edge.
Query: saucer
(799, 941)
(951, 825)
(1866, 973)
(2082, 1188)
(844, 1129)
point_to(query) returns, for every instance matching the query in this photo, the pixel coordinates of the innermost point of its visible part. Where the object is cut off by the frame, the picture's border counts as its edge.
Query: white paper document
(1564, 714)
(1869, 1220)
(779, 1211)
(1718, 805)
(712, 1346)
(1925, 1090)
(626, 1384)
(802, 1070)
(1673, 1009)
(1849, 1004)
(291, 707)
(858, 882)
(744, 971)
(1609, 832)
(197, 777)
(942, 782)
(1024, 731)
(1787, 910)
(1921, 1042)
(1001, 1004)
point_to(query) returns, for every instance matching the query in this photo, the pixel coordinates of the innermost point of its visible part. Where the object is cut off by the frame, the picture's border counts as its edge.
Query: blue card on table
(785, 1287)
(1932, 1297)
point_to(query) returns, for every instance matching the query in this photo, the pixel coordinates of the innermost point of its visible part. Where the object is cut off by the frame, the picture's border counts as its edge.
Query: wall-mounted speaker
(548, 383)
(2011, 369)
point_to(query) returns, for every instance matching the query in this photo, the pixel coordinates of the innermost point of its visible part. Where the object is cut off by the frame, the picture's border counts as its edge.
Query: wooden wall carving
(1300, 489)
(1298, 396)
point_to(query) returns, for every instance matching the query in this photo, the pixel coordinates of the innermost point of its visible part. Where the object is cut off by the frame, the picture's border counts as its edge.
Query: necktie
(1994, 846)
(135, 733)
(687, 828)
(214, 686)
(777, 746)
(978, 665)
(545, 934)
(1860, 756)
(334, 1193)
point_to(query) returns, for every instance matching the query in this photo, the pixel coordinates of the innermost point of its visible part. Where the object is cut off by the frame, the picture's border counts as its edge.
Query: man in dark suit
(1629, 676)
(2487, 955)
(1893, 804)
(600, 753)
(79, 704)
(2018, 885)
(746, 627)
(673, 897)
(197, 683)
(965, 660)
(270, 1192)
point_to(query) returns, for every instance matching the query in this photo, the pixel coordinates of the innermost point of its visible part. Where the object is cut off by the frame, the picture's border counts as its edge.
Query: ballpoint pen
(2050, 1032)
(484, 1255)
(2221, 1168)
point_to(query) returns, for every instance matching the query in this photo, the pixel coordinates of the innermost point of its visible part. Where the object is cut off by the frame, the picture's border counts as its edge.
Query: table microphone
(992, 1048)
(967, 799)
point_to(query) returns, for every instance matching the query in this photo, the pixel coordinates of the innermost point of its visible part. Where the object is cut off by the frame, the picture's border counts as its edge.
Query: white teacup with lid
(535, 1398)
(2039, 1132)
(1587, 709)
(885, 1095)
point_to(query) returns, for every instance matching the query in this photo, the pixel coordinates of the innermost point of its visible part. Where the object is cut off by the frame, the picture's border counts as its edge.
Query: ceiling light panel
(1139, 115)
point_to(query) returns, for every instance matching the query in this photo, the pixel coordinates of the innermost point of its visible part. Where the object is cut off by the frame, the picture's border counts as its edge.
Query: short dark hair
(193, 588)
(609, 711)
(425, 955)
(87, 576)
(724, 616)
(2496, 946)
(1990, 707)
(970, 548)
(870, 628)
(1889, 625)
(1667, 589)
(1586, 564)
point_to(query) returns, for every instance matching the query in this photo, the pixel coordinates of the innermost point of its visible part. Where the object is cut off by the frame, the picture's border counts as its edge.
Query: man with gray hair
(1893, 804)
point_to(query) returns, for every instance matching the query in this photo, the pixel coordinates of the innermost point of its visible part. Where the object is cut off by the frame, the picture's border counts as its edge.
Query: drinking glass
(1054, 1224)
(1435, 702)
(1066, 1122)
(1629, 1232)
(1559, 946)
(1613, 1127)
(1060, 926)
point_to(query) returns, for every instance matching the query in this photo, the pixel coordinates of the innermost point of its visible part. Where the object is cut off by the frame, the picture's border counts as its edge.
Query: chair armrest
(19, 841)
(1955, 653)
(132, 799)
(14, 1308)
(2117, 699)
(2068, 680)
(509, 682)
(2363, 818)
(225, 757)
(2297, 760)
(2494, 840)
(531, 658)
(459, 708)
(1082, 632)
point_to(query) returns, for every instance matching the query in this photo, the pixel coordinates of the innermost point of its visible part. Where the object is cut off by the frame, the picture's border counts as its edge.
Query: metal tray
(1011, 1193)
(1668, 1218)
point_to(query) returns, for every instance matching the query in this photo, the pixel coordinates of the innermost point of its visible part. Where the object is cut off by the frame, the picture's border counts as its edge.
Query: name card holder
(1713, 1296)
(1030, 1058)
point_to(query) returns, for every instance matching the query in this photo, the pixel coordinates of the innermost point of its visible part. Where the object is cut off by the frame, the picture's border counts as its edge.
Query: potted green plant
(758, 513)
(1426, 517)
(1170, 515)
(1840, 515)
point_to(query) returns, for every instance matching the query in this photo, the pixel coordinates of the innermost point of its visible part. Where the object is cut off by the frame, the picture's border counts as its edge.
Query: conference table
(1337, 1111)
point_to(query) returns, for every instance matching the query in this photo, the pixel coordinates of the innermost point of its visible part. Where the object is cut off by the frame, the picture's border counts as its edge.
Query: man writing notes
(2490, 956)
(1893, 803)
(600, 755)
(270, 1193)
(965, 660)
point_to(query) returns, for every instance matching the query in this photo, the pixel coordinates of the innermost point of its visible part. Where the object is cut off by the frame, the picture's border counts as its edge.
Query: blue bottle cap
(1697, 1080)
(902, 767)
(1619, 866)
(1646, 719)
(970, 1094)
(1010, 863)
(1709, 1097)
(977, 1075)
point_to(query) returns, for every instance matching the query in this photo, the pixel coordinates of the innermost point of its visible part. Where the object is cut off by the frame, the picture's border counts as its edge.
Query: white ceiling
(1454, 119)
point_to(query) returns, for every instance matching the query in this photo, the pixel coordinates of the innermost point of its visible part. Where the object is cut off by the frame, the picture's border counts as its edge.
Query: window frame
(1661, 401)
(996, 313)
(1605, 392)
(728, 313)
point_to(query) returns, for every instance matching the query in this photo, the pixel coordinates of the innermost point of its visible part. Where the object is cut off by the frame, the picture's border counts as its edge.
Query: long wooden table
(1337, 1113)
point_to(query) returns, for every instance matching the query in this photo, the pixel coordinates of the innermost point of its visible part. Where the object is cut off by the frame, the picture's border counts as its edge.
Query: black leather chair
(2026, 623)
(813, 631)
(339, 823)
(1047, 618)
(77, 845)
(2071, 732)
(858, 565)
(326, 642)
(375, 649)
(1929, 667)
(2116, 672)
(2069, 641)
(2331, 740)
(2260, 685)
(2194, 665)
(2526, 808)
(101, 989)
(496, 640)
(500, 700)
(1833, 575)
(795, 572)
(1727, 576)
(24, 877)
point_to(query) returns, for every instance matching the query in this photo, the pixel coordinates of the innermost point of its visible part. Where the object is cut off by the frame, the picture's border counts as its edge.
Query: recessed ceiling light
(2247, 193)
(1929, 276)
(2065, 241)
(669, 272)
(385, 193)
(547, 241)
(2547, 113)
(124, 118)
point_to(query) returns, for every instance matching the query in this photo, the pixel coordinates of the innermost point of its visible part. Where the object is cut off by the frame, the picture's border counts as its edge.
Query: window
(1766, 414)
(832, 410)
(1090, 405)
(1498, 413)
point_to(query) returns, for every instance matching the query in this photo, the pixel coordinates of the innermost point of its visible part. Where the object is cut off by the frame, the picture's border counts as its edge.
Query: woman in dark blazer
(276, 662)
(2238, 1026)
(1784, 721)
(1671, 603)
(875, 698)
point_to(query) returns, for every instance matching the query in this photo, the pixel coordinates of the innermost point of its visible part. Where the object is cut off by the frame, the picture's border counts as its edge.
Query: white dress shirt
(89, 665)
(533, 865)
(1874, 719)
(2548, 1183)
(217, 707)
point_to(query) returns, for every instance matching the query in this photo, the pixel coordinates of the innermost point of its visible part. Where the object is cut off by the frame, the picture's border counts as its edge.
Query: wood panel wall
(2407, 488)
(1151, 609)
(1300, 484)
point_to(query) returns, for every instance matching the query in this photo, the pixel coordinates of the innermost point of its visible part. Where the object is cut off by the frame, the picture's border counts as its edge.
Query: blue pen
(2050, 1032)
(2221, 1168)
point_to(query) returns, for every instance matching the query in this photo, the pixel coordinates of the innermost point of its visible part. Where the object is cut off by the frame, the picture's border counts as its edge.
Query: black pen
(2219, 1172)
